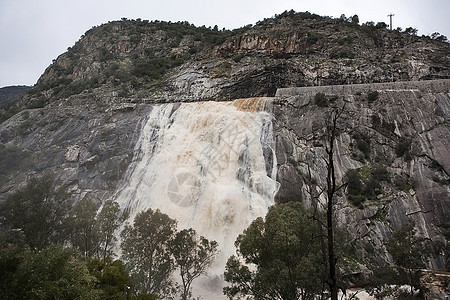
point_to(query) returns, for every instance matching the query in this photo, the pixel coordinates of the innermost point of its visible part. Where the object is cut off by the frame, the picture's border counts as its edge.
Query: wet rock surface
(418, 185)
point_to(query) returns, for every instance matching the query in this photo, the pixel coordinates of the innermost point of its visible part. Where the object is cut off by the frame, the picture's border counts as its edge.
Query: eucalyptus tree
(81, 227)
(39, 210)
(145, 249)
(109, 219)
(193, 255)
(277, 257)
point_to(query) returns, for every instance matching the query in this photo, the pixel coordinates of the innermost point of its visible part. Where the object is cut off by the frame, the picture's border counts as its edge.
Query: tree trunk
(331, 190)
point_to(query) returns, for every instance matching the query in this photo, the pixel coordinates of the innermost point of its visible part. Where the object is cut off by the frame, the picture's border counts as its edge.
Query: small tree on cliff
(410, 254)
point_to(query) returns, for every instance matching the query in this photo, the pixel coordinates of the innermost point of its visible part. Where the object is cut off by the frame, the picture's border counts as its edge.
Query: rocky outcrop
(406, 127)
(88, 149)
(408, 133)
(161, 62)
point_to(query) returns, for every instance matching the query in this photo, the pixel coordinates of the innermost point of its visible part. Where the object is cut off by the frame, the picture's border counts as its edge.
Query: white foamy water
(203, 165)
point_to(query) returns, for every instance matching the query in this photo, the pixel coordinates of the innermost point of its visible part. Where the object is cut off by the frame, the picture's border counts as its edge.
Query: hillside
(159, 61)
(10, 94)
(136, 107)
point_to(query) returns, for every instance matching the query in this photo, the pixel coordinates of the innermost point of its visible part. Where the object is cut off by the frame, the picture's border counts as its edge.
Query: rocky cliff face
(157, 61)
(403, 135)
(84, 119)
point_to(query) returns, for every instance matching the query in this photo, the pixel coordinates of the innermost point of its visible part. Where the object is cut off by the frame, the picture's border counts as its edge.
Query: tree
(409, 253)
(355, 19)
(111, 277)
(438, 37)
(331, 123)
(92, 231)
(411, 31)
(193, 255)
(146, 253)
(54, 273)
(39, 210)
(332, 131)
(12, 253)
(281, 256)
(108, 221)
(81, 225)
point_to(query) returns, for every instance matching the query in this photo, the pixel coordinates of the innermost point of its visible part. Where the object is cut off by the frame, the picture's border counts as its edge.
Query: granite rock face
(87, 149)
(407, 132)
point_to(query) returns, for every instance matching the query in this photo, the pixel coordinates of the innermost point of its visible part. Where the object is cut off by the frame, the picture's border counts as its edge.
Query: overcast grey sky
(34, 32)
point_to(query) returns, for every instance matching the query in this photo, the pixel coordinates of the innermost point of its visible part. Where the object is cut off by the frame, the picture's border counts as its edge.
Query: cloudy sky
(34, 32)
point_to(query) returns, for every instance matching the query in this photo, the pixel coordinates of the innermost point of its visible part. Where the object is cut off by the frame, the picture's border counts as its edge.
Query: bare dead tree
(326, 227)
(332, 131)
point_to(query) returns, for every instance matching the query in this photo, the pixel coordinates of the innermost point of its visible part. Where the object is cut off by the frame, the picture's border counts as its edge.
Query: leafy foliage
(54, 273)
(111, 277)
(281, 255)
(81, 223)
(372, 96)
(193, 255)
(320, 100)
(362, 143)
(39, 210)
(92, 232)
(403, 148)
(108, 221)
(365, 183)
(12, 253)
(38, 215)
(145, 248)
(410, 254)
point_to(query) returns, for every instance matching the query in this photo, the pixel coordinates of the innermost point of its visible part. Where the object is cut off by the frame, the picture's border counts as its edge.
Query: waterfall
(209, 165)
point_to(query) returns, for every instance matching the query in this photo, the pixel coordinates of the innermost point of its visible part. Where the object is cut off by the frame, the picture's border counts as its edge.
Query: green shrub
(105, 54)
(403, 147)
(238, 58)
(37, 103)
(342, 54)
(365, 183)
(358, 201)
(354, 182)
(75, 88)
(280, 55)
(313, 37)
(362, 143)
(372, 96)
(321, 100)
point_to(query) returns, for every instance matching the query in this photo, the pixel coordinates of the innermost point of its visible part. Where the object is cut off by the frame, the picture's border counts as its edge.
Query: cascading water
(209, 165)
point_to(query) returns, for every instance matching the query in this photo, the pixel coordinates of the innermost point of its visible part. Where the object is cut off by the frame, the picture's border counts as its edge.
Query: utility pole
(390, 19)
